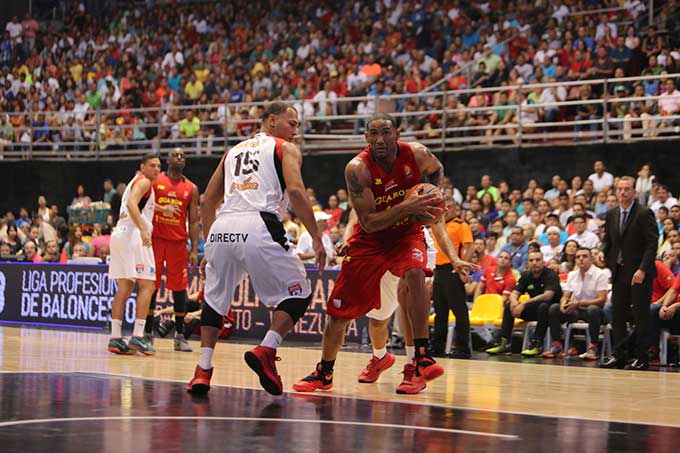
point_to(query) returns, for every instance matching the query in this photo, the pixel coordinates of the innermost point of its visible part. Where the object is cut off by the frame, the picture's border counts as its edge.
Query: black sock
(179, 324)
(421, 346)
(189, 328)
(326, 366)
(148, 327)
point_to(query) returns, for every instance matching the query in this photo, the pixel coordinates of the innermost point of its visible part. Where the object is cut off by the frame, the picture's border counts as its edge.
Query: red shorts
(176, 258)
(357, 288)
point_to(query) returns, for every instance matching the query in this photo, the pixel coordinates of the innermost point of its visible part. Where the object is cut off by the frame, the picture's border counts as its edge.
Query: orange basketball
(424, 189)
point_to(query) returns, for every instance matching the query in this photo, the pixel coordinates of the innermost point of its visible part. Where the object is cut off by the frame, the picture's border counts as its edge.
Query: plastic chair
(486, 309)
(663, 345)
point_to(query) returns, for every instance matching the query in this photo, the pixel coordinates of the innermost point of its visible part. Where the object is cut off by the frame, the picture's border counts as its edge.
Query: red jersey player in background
(386, 240)
(176, 206)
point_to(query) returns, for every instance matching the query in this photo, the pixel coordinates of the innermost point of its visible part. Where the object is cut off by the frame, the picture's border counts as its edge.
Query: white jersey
(253, 179)
(147, 204)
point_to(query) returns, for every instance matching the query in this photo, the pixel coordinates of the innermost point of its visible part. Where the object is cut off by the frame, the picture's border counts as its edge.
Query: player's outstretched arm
(358, 179)
(291, 163)
(431, 169)
(140, 187)
(213, 195)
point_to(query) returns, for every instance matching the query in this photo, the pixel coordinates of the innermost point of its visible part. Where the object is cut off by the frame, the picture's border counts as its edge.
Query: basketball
(424, 189)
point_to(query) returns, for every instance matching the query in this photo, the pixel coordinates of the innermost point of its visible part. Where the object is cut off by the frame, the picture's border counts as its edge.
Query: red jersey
(664, 279)
(498, 284)
(177, 192)
(389, 189)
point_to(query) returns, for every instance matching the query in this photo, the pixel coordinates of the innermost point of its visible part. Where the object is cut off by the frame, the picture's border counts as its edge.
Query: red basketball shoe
(410, 385)
(200, 384)
(427, 368)
(262, 360)
(375, 367)
(315, 381)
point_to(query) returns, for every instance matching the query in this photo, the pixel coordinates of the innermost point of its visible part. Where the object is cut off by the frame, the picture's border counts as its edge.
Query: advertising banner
(80, 296)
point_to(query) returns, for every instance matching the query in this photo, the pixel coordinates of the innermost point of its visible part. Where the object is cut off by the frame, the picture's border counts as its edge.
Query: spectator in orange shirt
(448, 290)
(371, 69)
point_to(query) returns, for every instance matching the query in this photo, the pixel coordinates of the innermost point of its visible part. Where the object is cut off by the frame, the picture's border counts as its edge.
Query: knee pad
(294, 307)
(210, 317)
(180, 301)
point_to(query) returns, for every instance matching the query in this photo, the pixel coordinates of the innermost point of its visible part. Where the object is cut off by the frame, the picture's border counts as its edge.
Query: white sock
(205, 358)
(380, 353)
(139, 328)
(410, 353)
(272, 339)
(116, 328)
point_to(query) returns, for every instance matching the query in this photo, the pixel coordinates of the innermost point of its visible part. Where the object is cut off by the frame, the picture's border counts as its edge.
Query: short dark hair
(582, 217)
(382, 117)
(276, 108)
(148, 157)
(492, 234)
(664, 208)
(583, 248)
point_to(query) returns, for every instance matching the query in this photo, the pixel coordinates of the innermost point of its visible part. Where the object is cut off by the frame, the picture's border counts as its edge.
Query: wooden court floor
(581, 399)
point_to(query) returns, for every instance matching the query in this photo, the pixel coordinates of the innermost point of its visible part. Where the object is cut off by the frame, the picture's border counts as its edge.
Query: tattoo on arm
(356, 190)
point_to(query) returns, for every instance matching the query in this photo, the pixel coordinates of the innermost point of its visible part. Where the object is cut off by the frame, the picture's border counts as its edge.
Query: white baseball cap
(320, 215)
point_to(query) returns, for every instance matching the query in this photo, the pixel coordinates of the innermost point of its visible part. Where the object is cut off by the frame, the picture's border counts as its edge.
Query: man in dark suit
(629, 247)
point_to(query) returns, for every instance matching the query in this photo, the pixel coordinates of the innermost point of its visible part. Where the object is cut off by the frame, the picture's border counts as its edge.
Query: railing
(437, 119)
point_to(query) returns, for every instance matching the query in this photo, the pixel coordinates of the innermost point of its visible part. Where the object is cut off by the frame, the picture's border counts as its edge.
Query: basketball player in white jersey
(256, 179)
(132, 257)
(393, 292)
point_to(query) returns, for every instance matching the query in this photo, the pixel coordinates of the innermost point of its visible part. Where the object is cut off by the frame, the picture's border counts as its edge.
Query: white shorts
(388, 298)
(130, 260)
(251, 243)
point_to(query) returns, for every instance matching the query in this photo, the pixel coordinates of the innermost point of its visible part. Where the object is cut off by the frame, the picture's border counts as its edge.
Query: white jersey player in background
(132, 257)
(256, 179)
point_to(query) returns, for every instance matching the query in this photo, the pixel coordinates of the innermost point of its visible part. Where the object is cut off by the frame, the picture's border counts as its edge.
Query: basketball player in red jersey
(176, 205)
(385, 240)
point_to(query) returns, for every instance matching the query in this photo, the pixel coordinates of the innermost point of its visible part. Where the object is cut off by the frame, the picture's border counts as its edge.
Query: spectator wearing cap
(553, 250)
(304, 249)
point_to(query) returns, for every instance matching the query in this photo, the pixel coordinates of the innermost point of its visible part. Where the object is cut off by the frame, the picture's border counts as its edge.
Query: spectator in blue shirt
(470, 37)
(518, 249)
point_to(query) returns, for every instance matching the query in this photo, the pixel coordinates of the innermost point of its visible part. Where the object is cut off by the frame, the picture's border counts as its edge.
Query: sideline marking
(259, 419)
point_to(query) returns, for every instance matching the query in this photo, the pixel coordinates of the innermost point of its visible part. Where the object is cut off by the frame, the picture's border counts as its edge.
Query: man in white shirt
(324, 97)
(663, 198)
(304, 246)
(585, 238)
(601, 179)
(583, 299)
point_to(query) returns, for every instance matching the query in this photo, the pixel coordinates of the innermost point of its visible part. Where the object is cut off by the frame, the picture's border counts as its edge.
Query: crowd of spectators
(55, 76)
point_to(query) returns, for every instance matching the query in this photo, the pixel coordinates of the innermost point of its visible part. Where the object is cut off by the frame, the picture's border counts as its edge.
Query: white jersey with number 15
(253, 177)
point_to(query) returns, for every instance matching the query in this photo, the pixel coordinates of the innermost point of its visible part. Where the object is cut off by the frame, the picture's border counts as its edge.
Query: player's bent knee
(294, 307)
(210, 318)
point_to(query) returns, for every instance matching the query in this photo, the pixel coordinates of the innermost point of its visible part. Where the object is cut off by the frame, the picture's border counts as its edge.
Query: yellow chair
(486, 309)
